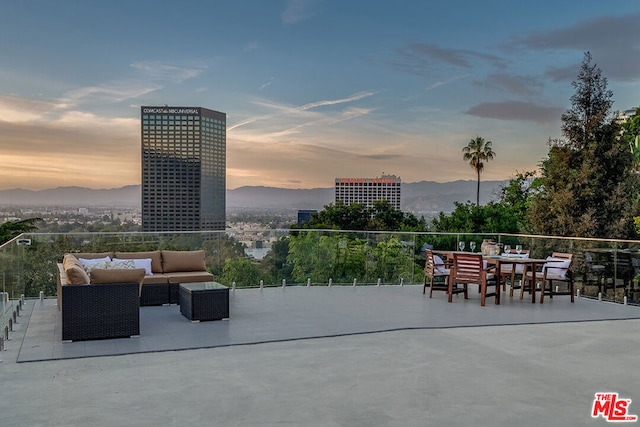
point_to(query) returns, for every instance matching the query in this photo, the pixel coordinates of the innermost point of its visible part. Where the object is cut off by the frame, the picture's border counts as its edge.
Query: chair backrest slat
(467, 267)
(563, 255)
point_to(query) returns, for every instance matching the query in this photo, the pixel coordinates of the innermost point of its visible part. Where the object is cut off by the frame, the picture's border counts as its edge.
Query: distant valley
(421, 198)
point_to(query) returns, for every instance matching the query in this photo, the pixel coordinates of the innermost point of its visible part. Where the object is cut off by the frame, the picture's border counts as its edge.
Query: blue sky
(313, 89)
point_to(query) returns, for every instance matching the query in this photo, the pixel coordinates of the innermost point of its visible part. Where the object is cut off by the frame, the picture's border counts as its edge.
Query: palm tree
(476, 153)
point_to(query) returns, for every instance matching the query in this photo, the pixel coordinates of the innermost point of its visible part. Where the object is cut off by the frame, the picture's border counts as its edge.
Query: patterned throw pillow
(110, 265)
(88, 264)
(139, 263)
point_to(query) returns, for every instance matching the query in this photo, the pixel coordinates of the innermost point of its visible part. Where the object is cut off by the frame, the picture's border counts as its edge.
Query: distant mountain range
(425, 197)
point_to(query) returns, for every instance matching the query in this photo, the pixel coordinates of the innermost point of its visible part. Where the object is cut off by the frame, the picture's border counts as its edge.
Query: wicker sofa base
(155, 294)
(100, 311)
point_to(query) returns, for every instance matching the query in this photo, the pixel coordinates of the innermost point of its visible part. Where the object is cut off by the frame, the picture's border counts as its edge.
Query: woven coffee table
(204, 301)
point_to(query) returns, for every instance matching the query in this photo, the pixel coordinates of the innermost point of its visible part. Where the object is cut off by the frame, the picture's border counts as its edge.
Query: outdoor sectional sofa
(104, 302)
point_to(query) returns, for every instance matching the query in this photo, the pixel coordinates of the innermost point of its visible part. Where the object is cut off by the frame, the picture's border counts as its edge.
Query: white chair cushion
(556, 268)
(439, 264)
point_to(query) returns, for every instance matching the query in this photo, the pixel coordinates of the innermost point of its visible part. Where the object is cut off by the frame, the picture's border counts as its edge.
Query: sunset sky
(312, 89)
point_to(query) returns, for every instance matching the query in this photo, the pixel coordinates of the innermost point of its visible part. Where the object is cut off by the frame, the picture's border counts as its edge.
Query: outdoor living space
(340, 355)
(322, 352)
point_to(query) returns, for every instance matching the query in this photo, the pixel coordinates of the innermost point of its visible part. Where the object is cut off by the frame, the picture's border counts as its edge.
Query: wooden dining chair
(556, 269)
(512, 272)
(434, 268)
(469, 269)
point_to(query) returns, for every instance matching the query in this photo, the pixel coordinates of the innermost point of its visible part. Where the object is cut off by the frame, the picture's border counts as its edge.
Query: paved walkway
(535, 374)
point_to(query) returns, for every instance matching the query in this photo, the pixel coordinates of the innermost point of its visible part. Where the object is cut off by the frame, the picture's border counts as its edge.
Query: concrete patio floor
(395, 358)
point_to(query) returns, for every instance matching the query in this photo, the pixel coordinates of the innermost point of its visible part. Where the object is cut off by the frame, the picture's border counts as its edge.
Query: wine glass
(518, 249)
(461, 246)
(472, 245)
(507, 249)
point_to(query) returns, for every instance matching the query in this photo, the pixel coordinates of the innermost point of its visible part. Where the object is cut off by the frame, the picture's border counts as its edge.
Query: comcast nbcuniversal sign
(171, 110)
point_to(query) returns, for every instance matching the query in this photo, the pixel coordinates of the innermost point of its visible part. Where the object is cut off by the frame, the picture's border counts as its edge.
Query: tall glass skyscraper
(183, 168)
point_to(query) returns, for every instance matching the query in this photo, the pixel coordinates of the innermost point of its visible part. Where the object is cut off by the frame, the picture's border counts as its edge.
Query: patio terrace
(325, 356)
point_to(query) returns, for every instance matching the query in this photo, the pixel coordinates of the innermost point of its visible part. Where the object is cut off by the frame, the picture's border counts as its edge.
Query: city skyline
(312, 89)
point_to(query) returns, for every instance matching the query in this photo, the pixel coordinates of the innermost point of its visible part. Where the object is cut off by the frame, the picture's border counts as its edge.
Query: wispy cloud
(516, 110)
(425, 59)
(14, 109)
(266, 85)
(282, 110)
(298, 10)
(445, 82)
(613, 41)
(107, 93)
(168, 72)
(519, 85)
(253, 45)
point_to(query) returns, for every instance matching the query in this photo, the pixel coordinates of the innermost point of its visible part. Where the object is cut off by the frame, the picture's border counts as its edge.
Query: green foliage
(381, 217)
(587, 187)
(312, 256)
(11, 229)
(221, 249)
(242, 271)
(476, 153)
(275, 262)
(517, 194)
(631, 135)
(343, 257)
(394, 259)
(467, 217)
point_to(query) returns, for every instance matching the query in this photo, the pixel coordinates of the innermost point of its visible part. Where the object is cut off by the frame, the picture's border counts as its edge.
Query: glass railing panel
(11, 281)
(273, 257)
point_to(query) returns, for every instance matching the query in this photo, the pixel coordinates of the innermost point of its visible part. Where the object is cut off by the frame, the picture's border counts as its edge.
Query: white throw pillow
(140, 263)
(557, 267)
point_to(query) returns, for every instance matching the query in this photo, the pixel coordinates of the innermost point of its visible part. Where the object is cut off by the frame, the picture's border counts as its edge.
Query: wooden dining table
(530, 264)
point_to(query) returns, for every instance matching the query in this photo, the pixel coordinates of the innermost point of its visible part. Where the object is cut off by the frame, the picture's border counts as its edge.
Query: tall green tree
(477, 152)
(355, 216)
(587, 187)
(11, 229)
(631, 134)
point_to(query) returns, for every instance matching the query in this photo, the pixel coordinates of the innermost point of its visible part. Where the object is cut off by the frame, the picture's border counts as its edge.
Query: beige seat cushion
(116, 275)
(189, 277)
(173, 261)
(156, 279)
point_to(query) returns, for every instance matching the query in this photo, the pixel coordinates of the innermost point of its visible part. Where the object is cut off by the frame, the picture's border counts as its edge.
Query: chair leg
(451, 283)
(571, 289)
(424, 285)
(544, 286)
(431, 288)
(483, 292)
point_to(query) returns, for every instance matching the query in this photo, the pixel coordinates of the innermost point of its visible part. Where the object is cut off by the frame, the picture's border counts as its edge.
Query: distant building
(623, 116)
(183, 168)
(368, 190)
(304, 215)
